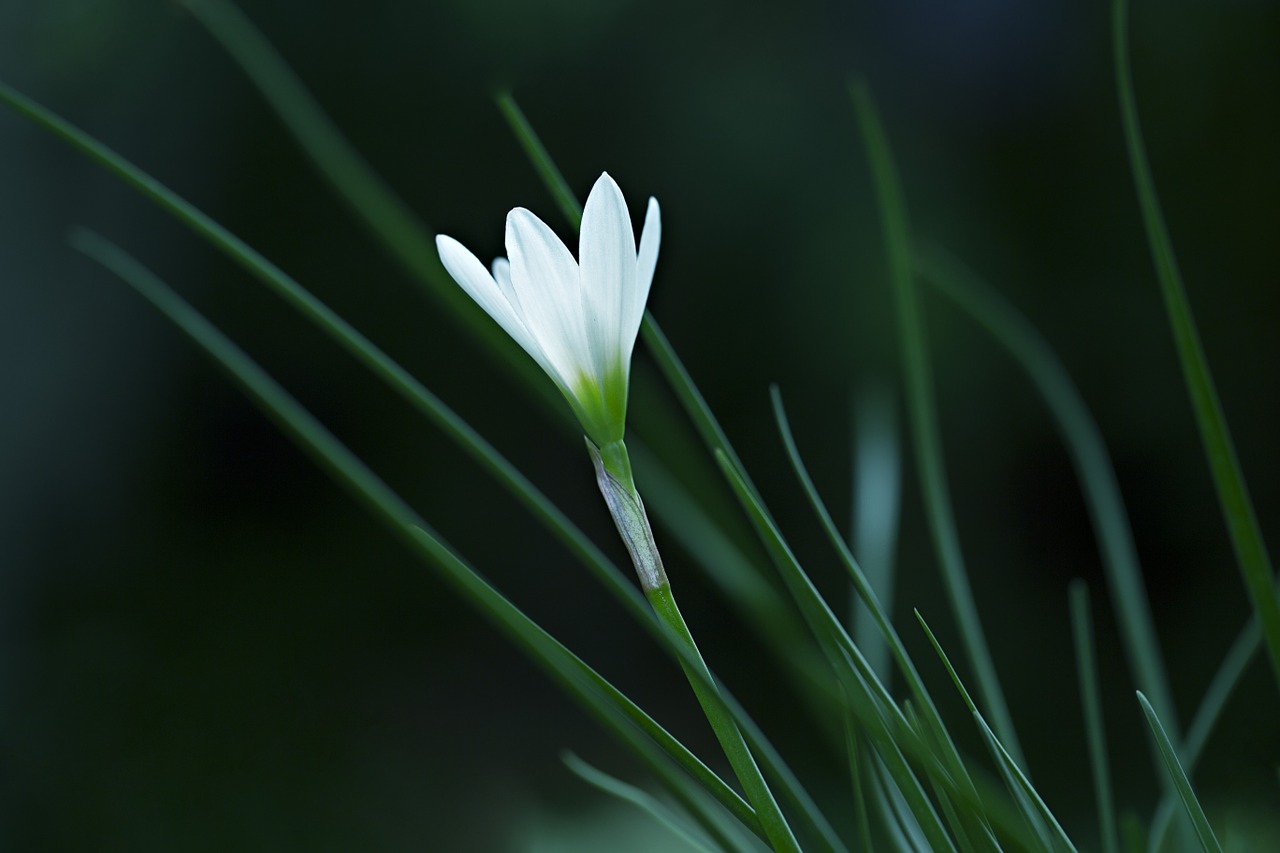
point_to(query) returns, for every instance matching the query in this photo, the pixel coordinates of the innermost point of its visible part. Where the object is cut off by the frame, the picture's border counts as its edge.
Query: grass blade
(387, 217)
(867, 595)
(546, 167)
(1233, 494)
(840, 650)
(1224, 682)
(1088, 454)
(1087, 670)
(641, 799)
(1034, 810)
(924, 418)
(1208, 840)
(877, 502)
(648, 740)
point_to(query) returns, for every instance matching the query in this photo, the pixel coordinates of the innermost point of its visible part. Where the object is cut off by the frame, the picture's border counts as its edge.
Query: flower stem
(613, 473)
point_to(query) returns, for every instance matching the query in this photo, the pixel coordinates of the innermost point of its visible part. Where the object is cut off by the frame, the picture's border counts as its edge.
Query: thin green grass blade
(1089, 457)
(642, 800)
(932, 722)
(1233, 494)
(877, 504)
(903, 830)
(1095, 732)
(856, 756)
(546, 167)
(1034, 809)
(1208, 840)
(923, 416)
(847, 659)
(1224, 682)
(868, 699)
(387, 217)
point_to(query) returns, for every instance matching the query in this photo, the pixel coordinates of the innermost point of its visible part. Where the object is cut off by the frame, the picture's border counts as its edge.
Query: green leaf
(387, 217)
(1208, 840)
(1087, 670)
(1233, 494)
(1224, 682)
(933, 722)
(923, 416)
(872, 708)
(1034, 810)
(877, 504)
(1088, 454)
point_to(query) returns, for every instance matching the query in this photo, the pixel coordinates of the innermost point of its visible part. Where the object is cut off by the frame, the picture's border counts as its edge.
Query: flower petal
(545, 279)
(502, 275)
(468, 272)
(607, 252)
(646, 262)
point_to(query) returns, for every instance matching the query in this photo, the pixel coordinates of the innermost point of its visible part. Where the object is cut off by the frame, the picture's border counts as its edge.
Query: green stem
(613, 474)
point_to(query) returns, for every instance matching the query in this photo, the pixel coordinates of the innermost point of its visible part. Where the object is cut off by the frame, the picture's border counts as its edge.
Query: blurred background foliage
(208, 646)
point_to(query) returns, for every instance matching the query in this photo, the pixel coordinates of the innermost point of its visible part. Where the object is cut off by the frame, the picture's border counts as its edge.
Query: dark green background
(206, 645)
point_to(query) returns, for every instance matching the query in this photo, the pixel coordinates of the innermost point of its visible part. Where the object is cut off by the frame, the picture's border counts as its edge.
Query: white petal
(502, 275)
(544, 277)
(647, 261)
(607, 254)
(468, 272)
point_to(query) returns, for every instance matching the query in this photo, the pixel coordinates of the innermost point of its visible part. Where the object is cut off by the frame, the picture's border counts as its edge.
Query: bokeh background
(206, 645)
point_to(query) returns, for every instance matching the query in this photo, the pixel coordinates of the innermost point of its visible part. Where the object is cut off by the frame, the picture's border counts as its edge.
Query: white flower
(578, 319)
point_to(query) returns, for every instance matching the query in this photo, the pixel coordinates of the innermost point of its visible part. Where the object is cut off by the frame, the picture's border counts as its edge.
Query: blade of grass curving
(1208, 840)
(877, 504)
(863, 689)
(1034, 809)
(546, 167)
(1233, 494)
(1089, 457)
(956, 819)
(869, 700)
(923, 416)
(388, 218)
(1091, 702)
(932, 720)
(861, 583)
(856, 756)
(642, 800)
(1215, 698)
(904, 832)
(632, 725)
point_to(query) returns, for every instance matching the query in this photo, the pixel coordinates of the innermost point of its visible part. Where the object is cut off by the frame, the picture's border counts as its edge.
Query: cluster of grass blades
(910, 787)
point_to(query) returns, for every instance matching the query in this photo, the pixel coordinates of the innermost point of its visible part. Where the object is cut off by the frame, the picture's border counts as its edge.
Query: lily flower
(578, 319)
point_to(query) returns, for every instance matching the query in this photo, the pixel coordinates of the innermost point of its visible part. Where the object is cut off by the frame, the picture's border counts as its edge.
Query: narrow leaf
(924, 418)
(1087, 670)
(1233, 494)
(1208, 840)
